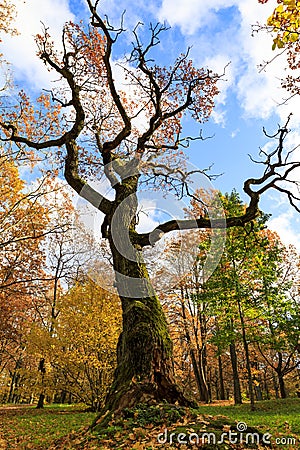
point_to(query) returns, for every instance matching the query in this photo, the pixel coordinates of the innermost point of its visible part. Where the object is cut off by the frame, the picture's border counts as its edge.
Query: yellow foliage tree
(81, 352)
(285, 22)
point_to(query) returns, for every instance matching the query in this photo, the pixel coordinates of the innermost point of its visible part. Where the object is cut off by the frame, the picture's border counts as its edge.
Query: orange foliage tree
(23, 223)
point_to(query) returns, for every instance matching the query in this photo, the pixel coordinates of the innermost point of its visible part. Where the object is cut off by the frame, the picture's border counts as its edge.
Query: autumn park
(121, 328)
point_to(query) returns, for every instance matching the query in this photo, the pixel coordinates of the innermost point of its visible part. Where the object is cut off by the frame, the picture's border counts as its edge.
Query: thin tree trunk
(221, 378)
(275, 384)
(42, 369)
(14, 382)
(236, 380)
(247, 355)
(201, 386)
(282, 386)
(13, 386)
(280, 375)
(266, 386)
(202, 356)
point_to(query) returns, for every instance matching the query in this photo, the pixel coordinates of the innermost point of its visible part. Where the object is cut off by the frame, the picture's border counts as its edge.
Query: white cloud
(20, 50)
(234, 133)
(284, 225)
(193, 14)
(259, 93)
(148, 216)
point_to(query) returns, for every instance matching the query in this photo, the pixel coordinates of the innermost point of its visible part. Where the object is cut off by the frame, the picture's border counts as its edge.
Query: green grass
(28, 427)
(278, 417)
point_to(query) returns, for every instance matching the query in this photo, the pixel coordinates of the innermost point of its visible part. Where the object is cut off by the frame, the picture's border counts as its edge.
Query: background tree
(23, 224)
(279, 328)
(66, 263)
(80, 353)
(254, 264)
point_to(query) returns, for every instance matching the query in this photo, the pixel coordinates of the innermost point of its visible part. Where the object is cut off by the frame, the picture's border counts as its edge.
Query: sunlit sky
(219, 34)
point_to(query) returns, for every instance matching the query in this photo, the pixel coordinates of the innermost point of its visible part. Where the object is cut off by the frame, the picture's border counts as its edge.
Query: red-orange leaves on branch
(119, 107)
(37, 121)
(7, 15)
(183, 88)
(168, 93)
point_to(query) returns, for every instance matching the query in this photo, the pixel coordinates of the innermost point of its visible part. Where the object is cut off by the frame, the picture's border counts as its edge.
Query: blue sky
(218, 32)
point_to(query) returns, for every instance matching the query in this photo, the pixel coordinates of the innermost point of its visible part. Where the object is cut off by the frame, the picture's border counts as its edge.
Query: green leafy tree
(278, 331)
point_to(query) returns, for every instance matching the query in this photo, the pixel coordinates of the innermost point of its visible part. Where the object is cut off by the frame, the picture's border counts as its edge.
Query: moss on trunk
(145, 371)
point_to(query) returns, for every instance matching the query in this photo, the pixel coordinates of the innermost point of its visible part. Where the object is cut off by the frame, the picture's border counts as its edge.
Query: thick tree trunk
(145, 371)
(41, 400)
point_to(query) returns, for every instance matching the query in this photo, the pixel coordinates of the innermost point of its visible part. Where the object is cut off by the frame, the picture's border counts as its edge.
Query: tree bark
(15, 377)
(275, 386)
(145, 370)
(281, 386)
(41, 400)
(42, 369)
(266, 385)
(221, 378)
(247, 355)
(280, 375)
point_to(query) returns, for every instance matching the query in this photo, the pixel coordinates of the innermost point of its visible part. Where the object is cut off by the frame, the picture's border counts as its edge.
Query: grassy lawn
(275, 416)
(24, 427)
(278, 418)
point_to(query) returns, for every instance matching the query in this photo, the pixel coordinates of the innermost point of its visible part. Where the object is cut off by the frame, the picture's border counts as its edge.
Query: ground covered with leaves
(25, 427)
(150, 427)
